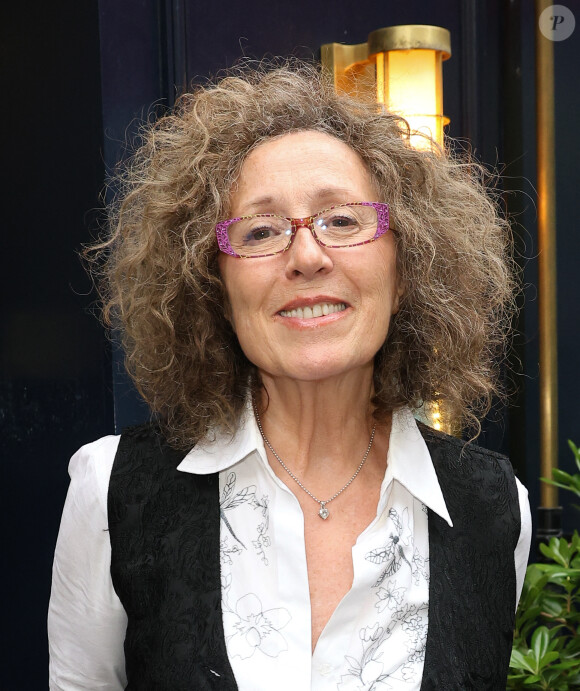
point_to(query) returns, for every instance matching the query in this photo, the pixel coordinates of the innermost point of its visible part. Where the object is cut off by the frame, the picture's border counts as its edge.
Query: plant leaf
(518, 661)
(540, 642)
(548, 658)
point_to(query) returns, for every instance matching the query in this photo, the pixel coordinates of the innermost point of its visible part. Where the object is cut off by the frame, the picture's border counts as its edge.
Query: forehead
(301, 167)
(305, 146)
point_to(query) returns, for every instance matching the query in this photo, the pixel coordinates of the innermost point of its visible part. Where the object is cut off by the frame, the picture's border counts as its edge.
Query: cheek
(239, 313)
(242, 304)
(241, 318)
(391, 288)
(381, 278)
(233, 288)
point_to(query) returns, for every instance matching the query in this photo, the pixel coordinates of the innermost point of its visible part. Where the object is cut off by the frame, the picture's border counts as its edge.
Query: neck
(320, 428)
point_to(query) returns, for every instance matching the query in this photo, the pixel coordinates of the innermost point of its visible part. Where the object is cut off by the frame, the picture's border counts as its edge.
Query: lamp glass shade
(410, 84)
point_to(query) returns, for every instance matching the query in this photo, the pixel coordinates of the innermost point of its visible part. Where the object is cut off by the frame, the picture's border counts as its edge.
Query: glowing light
(409, 83)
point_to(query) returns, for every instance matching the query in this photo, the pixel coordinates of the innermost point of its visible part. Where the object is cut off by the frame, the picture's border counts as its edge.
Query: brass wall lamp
(403, 66)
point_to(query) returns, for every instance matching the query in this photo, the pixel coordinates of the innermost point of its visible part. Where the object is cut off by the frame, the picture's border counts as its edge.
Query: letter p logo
(557, 23)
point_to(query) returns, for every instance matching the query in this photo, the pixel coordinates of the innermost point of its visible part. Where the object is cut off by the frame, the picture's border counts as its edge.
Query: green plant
(565, 480)
(546, 650)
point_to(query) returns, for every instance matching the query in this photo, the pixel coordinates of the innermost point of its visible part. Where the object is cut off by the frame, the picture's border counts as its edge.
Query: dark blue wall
(55, 370)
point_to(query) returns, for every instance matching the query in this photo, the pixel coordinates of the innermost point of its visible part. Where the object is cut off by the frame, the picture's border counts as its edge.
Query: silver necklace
(323, 512)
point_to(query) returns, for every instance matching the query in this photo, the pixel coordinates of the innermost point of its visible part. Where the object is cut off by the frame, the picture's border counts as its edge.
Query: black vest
(165, 528)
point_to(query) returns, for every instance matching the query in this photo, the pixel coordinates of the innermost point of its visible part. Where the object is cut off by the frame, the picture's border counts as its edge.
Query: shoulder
(93, 465)
(144, 448)
(90, 469)
(447, 450)
(478, 485)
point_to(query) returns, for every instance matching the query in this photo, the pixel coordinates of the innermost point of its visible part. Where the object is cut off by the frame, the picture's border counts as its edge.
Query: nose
(305, 256)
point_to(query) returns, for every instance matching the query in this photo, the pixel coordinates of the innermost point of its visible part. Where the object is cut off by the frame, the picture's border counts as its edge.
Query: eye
(264, 232)
(338, 221)
(343, 221)
(259, 234)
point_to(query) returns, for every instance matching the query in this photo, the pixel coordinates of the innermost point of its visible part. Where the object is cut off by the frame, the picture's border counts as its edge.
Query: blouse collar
(408, 459)
(409, 463)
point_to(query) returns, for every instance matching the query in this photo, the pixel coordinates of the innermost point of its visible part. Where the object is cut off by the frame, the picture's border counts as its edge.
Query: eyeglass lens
(340, 226)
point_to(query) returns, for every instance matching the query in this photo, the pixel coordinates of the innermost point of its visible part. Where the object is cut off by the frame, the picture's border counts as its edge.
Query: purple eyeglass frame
(221, 229)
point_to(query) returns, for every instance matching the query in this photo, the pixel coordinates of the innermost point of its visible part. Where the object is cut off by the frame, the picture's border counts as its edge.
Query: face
(311, 312)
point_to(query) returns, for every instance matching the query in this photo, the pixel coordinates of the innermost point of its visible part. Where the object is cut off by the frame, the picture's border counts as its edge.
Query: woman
(293, 280)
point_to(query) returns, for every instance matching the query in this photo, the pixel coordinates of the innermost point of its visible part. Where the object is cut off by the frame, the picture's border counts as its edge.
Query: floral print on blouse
(376, 637)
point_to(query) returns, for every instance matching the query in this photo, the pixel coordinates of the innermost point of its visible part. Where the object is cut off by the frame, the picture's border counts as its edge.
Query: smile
(319, 310)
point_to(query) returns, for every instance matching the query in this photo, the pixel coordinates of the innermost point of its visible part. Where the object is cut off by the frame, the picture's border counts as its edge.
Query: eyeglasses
(263, 235)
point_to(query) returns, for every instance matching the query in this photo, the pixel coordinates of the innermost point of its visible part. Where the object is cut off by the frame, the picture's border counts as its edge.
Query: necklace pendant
(323, 513)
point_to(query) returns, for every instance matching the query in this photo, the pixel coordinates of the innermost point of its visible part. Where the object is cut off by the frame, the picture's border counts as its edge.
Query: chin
(309, 368)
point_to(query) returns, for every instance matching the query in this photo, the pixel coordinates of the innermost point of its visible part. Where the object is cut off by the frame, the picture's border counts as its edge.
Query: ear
(400, 289)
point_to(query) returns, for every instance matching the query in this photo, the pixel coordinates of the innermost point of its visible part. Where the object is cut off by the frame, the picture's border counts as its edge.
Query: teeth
(323, 308)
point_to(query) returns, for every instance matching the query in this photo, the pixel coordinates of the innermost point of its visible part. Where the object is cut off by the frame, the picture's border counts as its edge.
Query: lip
(310, 301)
(301, 324)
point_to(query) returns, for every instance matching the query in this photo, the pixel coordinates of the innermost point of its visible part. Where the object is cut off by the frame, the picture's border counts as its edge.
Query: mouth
(320, 309)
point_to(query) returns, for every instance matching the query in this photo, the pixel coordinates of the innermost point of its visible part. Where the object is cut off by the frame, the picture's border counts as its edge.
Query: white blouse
(374, 639)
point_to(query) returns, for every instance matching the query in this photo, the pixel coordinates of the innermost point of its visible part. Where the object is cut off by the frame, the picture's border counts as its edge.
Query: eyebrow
(337, 194)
